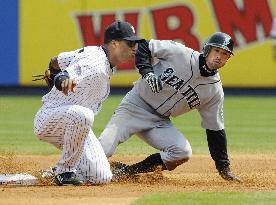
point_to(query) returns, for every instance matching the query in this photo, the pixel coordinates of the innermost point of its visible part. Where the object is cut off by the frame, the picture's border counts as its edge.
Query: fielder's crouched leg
(66, 127)
(93, 167)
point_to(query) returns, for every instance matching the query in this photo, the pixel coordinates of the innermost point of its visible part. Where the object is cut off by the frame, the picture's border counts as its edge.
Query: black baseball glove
(154, 82)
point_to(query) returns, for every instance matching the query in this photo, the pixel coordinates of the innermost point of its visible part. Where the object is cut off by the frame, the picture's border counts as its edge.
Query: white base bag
(17, 179)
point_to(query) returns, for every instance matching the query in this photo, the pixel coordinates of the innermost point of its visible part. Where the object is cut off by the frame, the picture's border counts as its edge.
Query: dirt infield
(199, 174)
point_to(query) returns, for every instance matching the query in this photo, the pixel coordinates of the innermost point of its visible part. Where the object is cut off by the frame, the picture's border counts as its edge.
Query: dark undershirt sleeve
(143, 58)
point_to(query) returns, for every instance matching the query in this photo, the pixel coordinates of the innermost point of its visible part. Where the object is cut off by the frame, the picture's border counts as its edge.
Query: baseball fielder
(65, 118)
(181, 80)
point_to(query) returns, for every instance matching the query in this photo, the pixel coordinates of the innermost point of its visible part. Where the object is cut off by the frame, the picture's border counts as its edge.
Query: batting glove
(154, 82)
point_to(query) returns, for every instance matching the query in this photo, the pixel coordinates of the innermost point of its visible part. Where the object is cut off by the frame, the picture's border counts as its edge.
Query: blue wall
(9, 35)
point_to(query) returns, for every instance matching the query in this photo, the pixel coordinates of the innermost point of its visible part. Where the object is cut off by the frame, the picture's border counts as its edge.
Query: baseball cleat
(228, 175)
(67, 178)
(119, 171)
(48, 173)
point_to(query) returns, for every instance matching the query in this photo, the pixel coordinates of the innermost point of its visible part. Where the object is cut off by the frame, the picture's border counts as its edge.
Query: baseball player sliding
(81, 82)
(181, 80)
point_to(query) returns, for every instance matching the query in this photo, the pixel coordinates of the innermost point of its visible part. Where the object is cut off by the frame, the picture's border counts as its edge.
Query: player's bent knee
(180, 153)
(39, 134)
(180, 158)
(176, 156)
(185, 152)
(171, 165)
(81, 116)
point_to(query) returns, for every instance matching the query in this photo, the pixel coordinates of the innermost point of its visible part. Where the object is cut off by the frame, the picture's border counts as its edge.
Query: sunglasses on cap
(131, 43)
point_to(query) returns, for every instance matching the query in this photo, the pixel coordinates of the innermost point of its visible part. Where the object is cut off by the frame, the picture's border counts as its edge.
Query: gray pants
(134, 116)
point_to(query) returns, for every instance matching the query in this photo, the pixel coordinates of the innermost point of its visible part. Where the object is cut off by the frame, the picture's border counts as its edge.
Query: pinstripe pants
(69, 129)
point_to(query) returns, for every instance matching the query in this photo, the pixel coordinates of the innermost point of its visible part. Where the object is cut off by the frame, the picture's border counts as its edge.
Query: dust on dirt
(257, 171)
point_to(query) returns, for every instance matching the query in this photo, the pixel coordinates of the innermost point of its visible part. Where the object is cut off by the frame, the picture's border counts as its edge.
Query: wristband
(59, 78)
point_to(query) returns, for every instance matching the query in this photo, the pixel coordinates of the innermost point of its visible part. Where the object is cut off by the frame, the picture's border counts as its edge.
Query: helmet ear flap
(206, 50)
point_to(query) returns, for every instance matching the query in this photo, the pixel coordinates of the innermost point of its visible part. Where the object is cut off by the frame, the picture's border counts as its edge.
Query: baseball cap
(120, 30)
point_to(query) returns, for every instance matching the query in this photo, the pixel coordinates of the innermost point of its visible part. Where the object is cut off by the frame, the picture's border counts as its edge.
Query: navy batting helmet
(220, 40)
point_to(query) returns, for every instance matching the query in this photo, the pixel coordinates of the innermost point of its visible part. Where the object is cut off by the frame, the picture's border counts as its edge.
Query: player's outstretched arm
(217, 143)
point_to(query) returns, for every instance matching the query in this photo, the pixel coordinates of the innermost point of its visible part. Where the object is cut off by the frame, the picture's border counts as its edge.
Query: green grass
(208, 198)
(250, 126)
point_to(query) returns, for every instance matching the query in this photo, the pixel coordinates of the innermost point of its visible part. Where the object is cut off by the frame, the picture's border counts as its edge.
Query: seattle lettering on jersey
(177, 83)
(191, 97)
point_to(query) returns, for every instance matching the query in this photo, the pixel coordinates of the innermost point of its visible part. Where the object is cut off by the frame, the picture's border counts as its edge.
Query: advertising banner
(49, 27)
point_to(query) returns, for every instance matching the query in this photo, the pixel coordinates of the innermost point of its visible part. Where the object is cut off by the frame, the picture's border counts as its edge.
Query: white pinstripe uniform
(65, 121)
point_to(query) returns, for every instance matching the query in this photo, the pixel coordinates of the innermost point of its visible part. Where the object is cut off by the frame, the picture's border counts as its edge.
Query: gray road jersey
(184, 87)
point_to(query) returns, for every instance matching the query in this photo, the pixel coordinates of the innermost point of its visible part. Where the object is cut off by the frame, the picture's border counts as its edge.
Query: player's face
(125, 51)
(217, 58)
